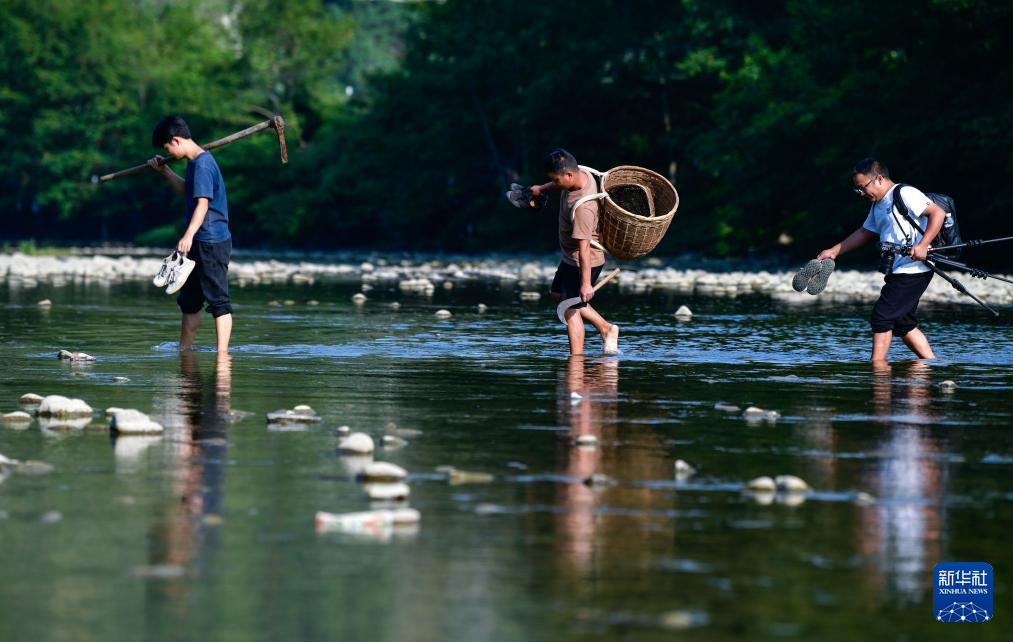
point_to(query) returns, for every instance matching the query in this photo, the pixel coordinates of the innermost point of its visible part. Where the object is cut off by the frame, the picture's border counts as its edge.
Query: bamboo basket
(637, 207)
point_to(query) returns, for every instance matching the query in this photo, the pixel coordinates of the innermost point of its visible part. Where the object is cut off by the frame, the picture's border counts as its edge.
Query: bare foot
(611, 339)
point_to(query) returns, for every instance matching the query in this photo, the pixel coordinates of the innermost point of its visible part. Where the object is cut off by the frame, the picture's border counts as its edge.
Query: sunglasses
(861, 190)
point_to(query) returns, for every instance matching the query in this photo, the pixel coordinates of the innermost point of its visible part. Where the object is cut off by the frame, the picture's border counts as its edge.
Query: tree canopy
(407, 121)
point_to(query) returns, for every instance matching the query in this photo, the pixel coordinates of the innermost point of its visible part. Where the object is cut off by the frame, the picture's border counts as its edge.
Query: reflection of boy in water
(581, 262)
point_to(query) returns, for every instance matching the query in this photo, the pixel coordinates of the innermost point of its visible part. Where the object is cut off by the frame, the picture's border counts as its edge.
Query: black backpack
(949, 234)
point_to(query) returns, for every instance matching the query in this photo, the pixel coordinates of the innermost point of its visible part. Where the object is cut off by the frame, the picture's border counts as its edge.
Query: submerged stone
(443, 314)
(762, 484)
(134, 422)
(387, 491)
(530, 296)
(358, 298)
(60, 406)
(30, 401)
(293, 416)
(357, 443)
(382, 471)
(791, 484)
(683, 470)
(45, 303)
(948, 386)
(67, 355)
(683, 313)
(17, 417)
(481, 307)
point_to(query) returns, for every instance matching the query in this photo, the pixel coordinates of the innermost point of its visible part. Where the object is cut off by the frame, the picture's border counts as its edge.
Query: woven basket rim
(638, 217)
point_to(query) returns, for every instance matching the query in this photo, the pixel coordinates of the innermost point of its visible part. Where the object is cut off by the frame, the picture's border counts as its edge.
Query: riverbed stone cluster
(420, 277)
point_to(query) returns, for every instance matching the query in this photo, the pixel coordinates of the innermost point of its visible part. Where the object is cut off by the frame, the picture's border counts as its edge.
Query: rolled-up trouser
(898, 302)
(209, 280)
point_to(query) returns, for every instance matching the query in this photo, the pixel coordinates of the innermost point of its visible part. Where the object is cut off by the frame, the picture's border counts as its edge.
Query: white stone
(948, 386)
(791, 484)
(60, 406)
(30, 400)
(365, 521)
(443, 314)
(587, 440)
(292, 417)
(753, 411)
(358, 298)
(112, 410)
(530, 296)
(121, 379)
(482, 308)
(683, 313)
(394, 305)
(134, 422)
(357, 443)
(303, 408)
(382, 471)
(683, 470)
(762, 484)
(724, 407)
(17, 417)
(67, 355)
(387, 491)
(45, 303)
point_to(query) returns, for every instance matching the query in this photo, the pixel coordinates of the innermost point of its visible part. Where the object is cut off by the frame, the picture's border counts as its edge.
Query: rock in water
(45, 303)
(683, 470)
(67, 355)
(530, 296)
(17, 417)
(387, 491)
(481, 307)
(443, 314)
(790, 484)
(358, 298)
(59, 406)
(948, 386)
(358, 443)
(304, 409)
(683, 313)
(134, 422)
(30, 401)
(762, 484)
(381, 471)
(293, 416)
(365, 521)
(456, 477)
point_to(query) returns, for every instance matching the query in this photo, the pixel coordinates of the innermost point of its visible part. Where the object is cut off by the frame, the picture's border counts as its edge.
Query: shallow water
(207, 533)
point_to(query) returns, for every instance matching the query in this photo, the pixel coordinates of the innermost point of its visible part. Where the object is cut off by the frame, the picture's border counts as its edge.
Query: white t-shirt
(893, 227)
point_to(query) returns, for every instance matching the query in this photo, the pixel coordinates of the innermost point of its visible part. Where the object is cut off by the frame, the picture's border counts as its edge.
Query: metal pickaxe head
(278, 123)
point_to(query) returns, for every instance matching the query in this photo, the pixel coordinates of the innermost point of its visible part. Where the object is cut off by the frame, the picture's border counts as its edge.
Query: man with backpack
(914, 220)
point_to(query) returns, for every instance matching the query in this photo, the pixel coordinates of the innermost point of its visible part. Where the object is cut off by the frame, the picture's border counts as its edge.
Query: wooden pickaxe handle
(277, 123)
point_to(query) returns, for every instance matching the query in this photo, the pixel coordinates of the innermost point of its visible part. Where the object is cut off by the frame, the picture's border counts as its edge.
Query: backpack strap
(905, 211)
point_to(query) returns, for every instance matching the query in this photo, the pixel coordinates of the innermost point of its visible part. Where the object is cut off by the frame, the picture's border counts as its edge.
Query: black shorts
(567, 281)
(898, 302)
(209, 280)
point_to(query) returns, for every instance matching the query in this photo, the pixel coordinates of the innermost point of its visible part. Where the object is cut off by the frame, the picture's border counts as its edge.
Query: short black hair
(559, 161)
(870, 167)
(167, 128)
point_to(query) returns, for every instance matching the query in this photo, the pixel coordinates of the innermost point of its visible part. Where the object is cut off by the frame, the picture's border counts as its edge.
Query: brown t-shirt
(584, 224)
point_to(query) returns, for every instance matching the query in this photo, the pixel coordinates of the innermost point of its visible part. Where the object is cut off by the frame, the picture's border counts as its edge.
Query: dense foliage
(408, 121)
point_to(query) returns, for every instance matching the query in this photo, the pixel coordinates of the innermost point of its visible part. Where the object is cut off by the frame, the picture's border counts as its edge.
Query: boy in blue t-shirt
(207, 240)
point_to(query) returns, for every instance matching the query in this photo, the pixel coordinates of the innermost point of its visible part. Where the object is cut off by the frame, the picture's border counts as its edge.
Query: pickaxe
(277, 123)
(568, 303)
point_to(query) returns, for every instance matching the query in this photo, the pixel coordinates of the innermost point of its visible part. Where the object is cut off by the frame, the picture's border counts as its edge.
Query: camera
(886, 259)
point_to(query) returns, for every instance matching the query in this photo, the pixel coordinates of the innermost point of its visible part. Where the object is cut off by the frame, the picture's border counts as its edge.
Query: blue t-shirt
(204, 180)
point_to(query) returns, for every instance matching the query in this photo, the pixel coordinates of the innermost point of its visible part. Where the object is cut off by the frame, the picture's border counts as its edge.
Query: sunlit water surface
(207, 533)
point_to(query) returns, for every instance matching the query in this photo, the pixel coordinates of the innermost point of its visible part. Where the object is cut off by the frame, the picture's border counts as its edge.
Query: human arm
(858, 238)
(936, 216)
(199, 212)
(584, 265)
(538, 190)
(158, 164)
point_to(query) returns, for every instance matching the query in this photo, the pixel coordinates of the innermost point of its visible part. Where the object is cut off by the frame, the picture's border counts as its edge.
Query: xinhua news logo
(962, 592)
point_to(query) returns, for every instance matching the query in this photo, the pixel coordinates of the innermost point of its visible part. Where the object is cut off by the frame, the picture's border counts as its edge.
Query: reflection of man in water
(197, 452)
(903, 528)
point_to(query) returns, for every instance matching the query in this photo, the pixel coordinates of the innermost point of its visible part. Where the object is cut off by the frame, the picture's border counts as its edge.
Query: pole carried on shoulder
(277, 123)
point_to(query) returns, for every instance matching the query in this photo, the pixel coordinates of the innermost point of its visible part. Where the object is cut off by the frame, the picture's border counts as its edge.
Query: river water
(207, 533)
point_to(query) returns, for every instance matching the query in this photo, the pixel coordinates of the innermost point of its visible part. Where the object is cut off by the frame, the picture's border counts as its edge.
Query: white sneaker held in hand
(181, 269)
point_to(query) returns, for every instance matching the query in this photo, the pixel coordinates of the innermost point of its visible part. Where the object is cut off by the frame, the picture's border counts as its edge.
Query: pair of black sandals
(813, 276)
